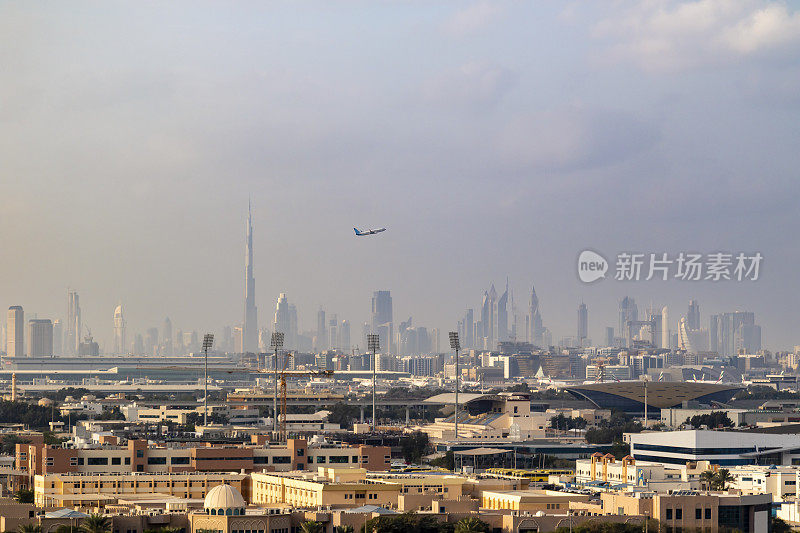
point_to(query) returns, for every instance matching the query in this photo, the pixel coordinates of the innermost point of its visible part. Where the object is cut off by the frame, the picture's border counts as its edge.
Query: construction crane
(601, 363)
(284, 372)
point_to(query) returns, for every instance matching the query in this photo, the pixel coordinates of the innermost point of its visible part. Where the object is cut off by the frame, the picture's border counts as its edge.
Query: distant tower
(119, 331)
(282, 322)
(166, 337)
(58, 338)
(502, 316)
(665, 343)
(250, 326)
(693, 316)
(382, 318)
(344, 336)
(15, 332)
(73, 327)
(40, 338)
(628, 312)
(322, 331)
(583, 323)
(14, 387)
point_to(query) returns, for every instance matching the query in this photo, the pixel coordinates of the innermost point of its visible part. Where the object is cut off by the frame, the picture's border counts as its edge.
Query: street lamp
(208, 342)
(456, 346)
(374, 344)
(275, 342)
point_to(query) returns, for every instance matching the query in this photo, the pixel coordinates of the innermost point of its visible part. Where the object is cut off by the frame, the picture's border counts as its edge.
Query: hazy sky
(492, 138)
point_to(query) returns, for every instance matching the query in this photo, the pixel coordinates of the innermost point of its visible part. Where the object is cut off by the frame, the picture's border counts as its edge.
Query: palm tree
(30, 528)
(96, 523)
(345, 529)
(708, 479)
(311, 527)
(67, 529)
(471, 525)
(722, 478)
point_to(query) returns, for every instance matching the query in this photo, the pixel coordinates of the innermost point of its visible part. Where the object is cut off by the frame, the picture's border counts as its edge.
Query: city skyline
(531, 134)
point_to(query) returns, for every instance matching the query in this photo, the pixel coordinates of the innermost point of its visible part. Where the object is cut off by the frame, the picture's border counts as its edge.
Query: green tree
(343, 414)
(447, 462)
(30, 528)
(345, 529)
(714, 419)
(67, 529)
(311, 527)
(414, 446)
(471, 525)
(24, 496)
(707, 479)
(779, 526)
(96, 523)
(722, 478)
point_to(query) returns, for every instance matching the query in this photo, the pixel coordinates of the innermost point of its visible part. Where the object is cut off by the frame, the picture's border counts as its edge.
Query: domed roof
(224, 497)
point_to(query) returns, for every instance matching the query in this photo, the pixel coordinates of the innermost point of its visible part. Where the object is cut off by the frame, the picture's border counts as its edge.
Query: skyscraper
(583, 323)
(250, 326)
(15, 332)
(382, 318)
(58, 338)
(628, 312)
(40, 338)
(119, 331)
(166, 337)
(282, 322)
(344, 336)
(693, 315)
(72, 339)
(502, 316)
(665, 336)
(322, 331)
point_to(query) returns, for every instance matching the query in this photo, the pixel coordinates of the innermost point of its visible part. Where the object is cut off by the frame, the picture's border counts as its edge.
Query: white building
(724, 448)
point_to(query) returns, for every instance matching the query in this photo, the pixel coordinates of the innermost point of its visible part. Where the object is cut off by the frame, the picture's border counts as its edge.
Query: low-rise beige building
(530, 500)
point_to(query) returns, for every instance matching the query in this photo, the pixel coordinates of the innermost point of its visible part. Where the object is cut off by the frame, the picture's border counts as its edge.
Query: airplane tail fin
(357, 232)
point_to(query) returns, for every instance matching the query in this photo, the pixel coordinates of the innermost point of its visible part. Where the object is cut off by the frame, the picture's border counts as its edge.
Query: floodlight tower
(456, 346)
(275, 342)
(374, 344)
(208, 342)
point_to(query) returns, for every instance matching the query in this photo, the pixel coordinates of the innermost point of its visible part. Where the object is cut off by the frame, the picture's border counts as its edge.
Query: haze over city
(492, 139)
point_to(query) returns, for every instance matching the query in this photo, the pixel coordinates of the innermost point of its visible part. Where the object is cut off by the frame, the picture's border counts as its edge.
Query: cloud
(571, 138)
(472, 18)
(477, 83)
(666, 35)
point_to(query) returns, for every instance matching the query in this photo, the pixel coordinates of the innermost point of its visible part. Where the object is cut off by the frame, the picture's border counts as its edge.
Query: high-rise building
(583, 323)
(250, 326)
(693, 315)
(628, 312)
(383, 318)
(166, 337)
(282, 322)
(665, 335)
(502, 316)
(15, 332)
(119, 331)
(333, 332)
(322, 331)
(609, 339)
(731, 332)
(58, 338)
(534, 330)
(344, 336)
(40, 338)
(72, 338)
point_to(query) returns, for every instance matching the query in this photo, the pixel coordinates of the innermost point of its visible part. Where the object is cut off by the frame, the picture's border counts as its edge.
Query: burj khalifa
(250, 326)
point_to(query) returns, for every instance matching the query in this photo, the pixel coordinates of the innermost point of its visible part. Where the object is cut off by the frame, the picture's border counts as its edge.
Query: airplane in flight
(368, 232)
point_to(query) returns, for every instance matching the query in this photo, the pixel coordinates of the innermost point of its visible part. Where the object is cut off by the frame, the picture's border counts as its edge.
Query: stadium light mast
(208, 342)
(275, 342)
(374, 344)
(456, 346)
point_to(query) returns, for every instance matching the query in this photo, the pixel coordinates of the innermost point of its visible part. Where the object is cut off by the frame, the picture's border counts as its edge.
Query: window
(179, 461)
(301, 466)
(96, 461)
(698, 514)
(140, 453)
(338, 459)
(127, 460)
(116, 460)
(281, 460)
(708, 513)
(320, 459)
(678, 513)
(669, 513)
(301, 452)
(48, 461)
(156, 460)
(355, 458)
